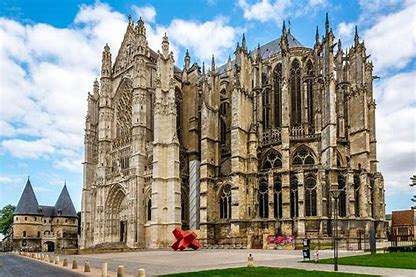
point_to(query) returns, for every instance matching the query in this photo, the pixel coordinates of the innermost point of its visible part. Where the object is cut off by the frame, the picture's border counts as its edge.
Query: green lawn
(262, 271)
(394, 260)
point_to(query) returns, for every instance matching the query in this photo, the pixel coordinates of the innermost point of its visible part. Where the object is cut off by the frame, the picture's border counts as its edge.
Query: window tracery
(278, 96)
(309, 93)
(303, 156)
(266, 108)
(357, 194)
(310, 196)
(225, 202)
(294, 198)
(263, 196)
(295, 92)
(277, 194)
(272, 159)
(342, 199)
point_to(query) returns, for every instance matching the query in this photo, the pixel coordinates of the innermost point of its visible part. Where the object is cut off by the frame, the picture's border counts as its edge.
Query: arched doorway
(49, 246)
(117, 211)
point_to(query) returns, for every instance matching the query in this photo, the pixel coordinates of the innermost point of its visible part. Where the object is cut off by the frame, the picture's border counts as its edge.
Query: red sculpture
(185, 239)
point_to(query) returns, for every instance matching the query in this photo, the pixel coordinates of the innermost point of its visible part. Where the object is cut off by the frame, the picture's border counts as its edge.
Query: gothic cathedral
(279, 140)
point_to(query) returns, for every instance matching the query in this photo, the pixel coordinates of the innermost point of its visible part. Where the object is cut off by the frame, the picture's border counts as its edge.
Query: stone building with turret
(44, 228)
(238, 152)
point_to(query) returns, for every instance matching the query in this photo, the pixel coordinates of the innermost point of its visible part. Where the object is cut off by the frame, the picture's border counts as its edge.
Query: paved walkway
(16, 266)
(159, 262)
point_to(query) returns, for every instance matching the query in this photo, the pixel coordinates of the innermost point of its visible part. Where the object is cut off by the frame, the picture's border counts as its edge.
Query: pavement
(158, 262)
(16, 266)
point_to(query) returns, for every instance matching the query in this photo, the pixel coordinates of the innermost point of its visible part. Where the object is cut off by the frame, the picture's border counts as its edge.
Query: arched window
(357, 194)
(278, 95)
(309, 93)
(178, 102)
(303, 156)
(372, 191)
(263, 199)
(225, 202)
(342, 200)
(277, 194)
(294, 198)
(149, 209)
(266, 108)
(310, 196)
(295, 92)
(272, 159)
(224, 119)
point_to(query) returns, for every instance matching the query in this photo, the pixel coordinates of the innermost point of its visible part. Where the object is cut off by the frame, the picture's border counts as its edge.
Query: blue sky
(50, 54)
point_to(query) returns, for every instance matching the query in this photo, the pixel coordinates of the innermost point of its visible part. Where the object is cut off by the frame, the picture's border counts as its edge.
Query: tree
(6, 218)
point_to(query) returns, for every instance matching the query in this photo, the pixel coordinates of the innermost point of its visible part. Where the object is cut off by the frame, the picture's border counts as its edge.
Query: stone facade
(237, 152)
(44, 228)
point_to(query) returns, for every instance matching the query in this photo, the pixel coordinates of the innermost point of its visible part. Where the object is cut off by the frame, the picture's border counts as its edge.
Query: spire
(28, 204)
(284, 28)
(140, 28)
(203, 68)
(339, 45)
(288, 30)
(213, 63)
(187, 59)
(106, 62)
(95, 87)
(317, 35)
(243, 42)
(229, 59)
(165, 45)
(356, 37)
(237, 47)
(326, 23)
(64, 205)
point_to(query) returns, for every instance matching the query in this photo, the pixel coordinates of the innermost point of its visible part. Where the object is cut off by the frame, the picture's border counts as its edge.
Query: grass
(261, 271)
(405, 260)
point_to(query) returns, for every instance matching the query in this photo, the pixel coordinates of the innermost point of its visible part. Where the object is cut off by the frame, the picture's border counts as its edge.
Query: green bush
(407, 248)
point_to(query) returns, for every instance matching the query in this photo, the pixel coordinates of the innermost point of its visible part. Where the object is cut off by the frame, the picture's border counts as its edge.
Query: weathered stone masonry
(236, 152)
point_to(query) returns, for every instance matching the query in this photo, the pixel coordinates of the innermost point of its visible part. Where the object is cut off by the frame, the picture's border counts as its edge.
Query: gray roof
(64, 205)
(268, 49)
(28, 204)
(48, 211)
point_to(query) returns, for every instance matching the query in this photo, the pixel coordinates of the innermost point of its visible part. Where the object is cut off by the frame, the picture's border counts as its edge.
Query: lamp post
(335, 194)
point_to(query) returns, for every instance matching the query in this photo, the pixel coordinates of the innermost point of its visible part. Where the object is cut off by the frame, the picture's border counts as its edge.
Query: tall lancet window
(225, 202)
(263, 199)
(266, 108)
(342, 204)
(224, 118)
(294, 198)
(310, 196)
(357, 194)
(295, 92)
(178, 100)
(278, 95)
(309, 93)
(277, 194)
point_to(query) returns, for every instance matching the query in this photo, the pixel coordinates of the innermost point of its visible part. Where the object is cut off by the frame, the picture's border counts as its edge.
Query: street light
(335, 194)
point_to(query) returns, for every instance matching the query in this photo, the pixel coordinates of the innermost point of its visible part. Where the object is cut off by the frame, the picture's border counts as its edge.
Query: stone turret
(166, 190)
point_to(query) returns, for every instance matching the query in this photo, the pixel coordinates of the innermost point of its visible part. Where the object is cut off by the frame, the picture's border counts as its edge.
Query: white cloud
(345, 31)
(28, 149)
(396, 125)
(265, 10)
(148, 13)
(47, 71)
(197, 36)
(392, 40)
(278, 10)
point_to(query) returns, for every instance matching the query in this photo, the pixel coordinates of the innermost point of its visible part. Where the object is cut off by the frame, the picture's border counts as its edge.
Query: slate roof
(64, 205)
(268, 49)
(28, 204)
